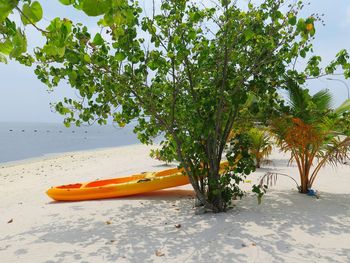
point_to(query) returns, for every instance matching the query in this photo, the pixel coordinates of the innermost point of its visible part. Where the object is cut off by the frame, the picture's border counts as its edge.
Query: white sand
(287, 227)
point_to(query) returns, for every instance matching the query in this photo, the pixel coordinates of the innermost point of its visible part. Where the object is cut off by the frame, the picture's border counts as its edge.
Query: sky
(23, 98)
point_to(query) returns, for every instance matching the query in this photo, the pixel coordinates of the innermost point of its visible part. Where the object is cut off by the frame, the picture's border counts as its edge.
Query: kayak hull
(124, 186)
(119, 187)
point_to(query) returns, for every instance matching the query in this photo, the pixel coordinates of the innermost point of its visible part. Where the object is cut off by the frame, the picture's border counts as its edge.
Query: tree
(313, 133)
(185, 70)
(261, 145)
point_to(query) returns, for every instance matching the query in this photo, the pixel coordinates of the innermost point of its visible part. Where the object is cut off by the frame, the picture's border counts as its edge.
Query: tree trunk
(215, 191)
(218, 204)
(258, 163)
(304, 181)
(212, 199)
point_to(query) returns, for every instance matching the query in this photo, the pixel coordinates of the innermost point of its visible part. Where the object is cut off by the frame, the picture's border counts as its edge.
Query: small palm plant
(260, 145)
(314, 133)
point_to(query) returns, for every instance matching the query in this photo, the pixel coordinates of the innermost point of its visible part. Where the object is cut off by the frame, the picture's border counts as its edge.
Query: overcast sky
(24, 98)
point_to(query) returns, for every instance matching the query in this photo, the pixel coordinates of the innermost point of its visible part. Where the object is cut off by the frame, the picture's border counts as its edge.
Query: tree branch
(30, 21)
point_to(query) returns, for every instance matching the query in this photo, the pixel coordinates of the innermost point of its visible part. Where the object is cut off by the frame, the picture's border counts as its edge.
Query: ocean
(19, 141)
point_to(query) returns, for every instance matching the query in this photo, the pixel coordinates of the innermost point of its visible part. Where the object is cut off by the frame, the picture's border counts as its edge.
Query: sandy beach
(163, 226)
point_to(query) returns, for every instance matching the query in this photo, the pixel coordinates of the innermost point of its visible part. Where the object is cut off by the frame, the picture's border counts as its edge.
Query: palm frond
(336, 152)
(270, 179)
(297, 99)
(344, 107)
(261, 145)
(322, 100)
(326, 124)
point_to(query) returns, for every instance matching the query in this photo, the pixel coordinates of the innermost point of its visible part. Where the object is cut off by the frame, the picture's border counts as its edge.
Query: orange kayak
(124, 186)
(118, 187)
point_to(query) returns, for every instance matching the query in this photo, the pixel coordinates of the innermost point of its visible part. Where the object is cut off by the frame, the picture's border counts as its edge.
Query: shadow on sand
(287, 227)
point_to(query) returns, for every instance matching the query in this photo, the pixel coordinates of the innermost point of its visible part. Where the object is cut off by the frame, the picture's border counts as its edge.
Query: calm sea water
(20, 141)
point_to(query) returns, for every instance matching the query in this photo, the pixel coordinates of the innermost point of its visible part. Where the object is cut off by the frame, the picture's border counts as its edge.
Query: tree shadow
(155, 195)
(287, 226)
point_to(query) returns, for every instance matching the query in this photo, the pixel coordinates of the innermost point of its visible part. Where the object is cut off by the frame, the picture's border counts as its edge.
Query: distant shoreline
(22, 141)
(49, 156)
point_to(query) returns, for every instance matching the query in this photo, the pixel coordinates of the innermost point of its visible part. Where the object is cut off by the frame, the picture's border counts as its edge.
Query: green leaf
(53, 51)
(301, 26)
(67, 2)
(6, 47)
(249, 34)
(49, 50)
(192, 34)
(87, 58)
(61, 51)
(120, 56)
(292, 19)
(3, 59)
(6, 6)
(19, 43)
(170, 54)
(98, 40)
(66, 123)
(96, 7)
(37, 11)
(26, 13)
(32, 13)
(73, 76)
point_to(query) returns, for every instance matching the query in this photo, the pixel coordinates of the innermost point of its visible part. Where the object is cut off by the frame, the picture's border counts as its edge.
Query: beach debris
(253, 244)
(159, 253)
(110, 242)
(10, 221)
(108, 222)
(312, 192)
(178, 225)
